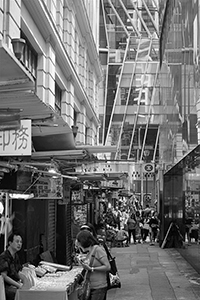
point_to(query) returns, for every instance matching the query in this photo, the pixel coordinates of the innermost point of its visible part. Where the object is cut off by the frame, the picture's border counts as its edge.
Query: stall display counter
(55, 286)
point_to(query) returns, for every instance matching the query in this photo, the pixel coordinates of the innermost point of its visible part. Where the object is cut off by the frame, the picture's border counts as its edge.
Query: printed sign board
(148, 168)
(16, 142)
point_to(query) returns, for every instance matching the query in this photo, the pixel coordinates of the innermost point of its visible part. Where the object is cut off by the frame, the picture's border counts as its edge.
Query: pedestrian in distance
(132, 224)
(122, 237)
(145, 229)
(154, 223)
(139, 226)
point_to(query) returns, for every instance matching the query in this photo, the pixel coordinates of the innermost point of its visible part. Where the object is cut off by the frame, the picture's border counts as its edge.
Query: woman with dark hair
(132, 224)
(95, 262)
(88, 226)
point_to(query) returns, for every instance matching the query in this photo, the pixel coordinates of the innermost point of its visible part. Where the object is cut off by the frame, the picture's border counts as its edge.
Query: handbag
(113, 279)
(84, 289)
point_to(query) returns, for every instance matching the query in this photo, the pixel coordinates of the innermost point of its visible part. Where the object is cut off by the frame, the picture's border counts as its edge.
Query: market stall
(60, 285)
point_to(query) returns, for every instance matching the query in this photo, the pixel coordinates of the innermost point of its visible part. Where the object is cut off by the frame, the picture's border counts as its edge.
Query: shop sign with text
(16, 142)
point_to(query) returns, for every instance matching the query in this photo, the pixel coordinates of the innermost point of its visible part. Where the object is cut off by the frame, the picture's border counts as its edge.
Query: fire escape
(131, 113)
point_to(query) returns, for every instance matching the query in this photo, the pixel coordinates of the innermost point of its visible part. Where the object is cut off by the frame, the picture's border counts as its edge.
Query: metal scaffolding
(131, 115)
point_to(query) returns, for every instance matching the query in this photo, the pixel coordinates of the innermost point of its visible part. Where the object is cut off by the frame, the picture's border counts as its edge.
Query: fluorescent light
(1, 208)
(21, 196)
(52, 170)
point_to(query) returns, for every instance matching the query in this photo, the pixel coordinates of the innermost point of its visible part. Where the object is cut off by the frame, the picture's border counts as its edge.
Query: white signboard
(148, 168)
(16, 142)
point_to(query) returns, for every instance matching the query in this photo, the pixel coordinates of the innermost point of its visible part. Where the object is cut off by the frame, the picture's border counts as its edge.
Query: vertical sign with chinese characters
(16, 142)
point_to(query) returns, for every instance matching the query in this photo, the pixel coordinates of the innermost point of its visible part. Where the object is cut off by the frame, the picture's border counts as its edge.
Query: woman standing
(154, 228)
(96, 262)
(132, 224)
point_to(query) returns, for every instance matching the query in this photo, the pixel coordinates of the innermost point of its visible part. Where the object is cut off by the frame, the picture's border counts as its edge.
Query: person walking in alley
(154, 228)
(145, 229)
(10, 266)
(132, 224)
(96, 262)
(139, 226)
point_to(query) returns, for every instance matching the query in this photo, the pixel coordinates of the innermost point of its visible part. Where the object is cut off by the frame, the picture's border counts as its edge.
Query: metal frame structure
(132, 31)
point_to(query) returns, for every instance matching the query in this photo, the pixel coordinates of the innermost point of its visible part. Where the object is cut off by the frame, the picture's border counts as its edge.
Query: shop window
(86, 135)
(30, 57)
(58, 98)
(133, 98)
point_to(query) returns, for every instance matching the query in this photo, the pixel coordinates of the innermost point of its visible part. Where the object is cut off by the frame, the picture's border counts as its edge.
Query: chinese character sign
(16, 142)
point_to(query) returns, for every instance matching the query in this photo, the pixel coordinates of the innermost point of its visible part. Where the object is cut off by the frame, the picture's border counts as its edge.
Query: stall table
(55, 286)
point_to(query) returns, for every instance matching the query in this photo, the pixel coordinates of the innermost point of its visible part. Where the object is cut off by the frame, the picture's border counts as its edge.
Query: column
(50, 74)
(81, 123)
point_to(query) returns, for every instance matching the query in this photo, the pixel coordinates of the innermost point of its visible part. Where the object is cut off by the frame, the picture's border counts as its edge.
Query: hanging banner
(47, 188)
(16, 142)
(77, 197)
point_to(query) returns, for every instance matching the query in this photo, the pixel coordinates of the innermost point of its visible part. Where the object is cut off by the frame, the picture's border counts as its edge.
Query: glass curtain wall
(179, 78)
(129, 51)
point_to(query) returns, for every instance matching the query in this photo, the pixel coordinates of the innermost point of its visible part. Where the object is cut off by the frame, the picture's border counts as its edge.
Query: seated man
(10, 266)
(122, 236)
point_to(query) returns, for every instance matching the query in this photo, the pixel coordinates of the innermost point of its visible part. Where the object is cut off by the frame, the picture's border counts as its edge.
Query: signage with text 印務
(16, 142)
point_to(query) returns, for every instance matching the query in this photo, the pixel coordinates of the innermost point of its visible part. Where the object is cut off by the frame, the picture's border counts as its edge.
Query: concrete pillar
(68, 104)
(59, 17)
(50, 74)
(179, 146)
(10, 23)
(41, 73)
(81, 123)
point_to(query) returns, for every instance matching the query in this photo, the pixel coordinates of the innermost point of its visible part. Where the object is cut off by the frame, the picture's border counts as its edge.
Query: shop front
(180, 205)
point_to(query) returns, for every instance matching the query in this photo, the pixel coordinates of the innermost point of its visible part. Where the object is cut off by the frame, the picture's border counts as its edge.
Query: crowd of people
(117, 225)
(130, 225)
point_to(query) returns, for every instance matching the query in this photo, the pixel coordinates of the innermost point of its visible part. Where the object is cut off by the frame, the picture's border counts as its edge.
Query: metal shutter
(51, 229)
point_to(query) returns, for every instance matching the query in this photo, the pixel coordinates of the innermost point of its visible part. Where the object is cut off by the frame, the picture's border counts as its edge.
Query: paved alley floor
(151, 273)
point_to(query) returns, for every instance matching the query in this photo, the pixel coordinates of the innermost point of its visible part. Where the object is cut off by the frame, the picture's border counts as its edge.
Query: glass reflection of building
(130, 111)
(149, 51)
(179, 54)
(129, 49)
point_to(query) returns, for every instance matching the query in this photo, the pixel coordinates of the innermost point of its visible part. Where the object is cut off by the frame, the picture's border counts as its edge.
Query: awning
(97, 148)
(49, 131)
(64, 154)
(190, 160)
(53, 134)
(105, 175)
(13, 74)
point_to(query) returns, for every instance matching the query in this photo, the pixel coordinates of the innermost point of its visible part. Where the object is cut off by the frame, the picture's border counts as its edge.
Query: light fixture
(18, 47)
(21, 196)
(53, 172)
(74, 130)
(53, 169)
(1, 208)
